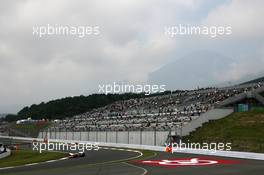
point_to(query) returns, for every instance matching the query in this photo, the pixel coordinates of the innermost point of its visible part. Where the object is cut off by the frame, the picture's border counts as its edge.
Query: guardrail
(234, 154)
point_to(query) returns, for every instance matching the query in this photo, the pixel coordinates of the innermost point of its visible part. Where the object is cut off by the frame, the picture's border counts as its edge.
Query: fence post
(116, 137)
(127, 136)
(106, 135)
(58, 133)
(181, 128)
(48, 134)
(155, 137)
(140, 136)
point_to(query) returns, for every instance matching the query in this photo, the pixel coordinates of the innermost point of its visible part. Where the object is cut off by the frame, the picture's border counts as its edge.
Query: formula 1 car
(76, 155)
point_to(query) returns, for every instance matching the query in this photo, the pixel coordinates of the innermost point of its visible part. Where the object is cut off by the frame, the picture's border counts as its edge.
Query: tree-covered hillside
(70, 106)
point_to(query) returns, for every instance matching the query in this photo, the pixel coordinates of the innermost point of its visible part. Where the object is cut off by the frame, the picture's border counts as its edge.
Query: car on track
(76, 155)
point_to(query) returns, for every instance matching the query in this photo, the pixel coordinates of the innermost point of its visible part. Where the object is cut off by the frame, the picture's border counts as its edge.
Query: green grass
(21, 157)
(245, 130)
(258, 109)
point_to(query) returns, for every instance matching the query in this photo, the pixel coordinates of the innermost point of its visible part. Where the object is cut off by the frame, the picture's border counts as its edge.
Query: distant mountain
(252, 78)
(201, 68)
(261, 79)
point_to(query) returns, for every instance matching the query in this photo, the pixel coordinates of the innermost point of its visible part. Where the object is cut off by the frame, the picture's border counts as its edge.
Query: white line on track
(130, 150)
(121, 149)
(144, 170)
(31, 164)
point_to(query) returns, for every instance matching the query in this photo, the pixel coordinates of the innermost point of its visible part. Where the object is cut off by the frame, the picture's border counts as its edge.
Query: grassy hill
(244, 130)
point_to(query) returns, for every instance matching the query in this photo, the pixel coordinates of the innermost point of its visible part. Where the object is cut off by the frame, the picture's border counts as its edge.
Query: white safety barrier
(234, 154)
(156, 138)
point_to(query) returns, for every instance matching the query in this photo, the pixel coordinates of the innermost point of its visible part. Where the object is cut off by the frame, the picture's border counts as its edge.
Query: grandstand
(164, 112)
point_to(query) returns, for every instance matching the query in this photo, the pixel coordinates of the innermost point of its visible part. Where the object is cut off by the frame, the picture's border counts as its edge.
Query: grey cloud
(130, 46)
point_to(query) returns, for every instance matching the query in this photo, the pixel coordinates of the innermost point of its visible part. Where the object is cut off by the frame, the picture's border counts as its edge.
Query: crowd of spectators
(153, 113)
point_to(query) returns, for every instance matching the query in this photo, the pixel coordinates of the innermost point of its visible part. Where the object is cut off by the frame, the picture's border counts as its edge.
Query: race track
(119, 162)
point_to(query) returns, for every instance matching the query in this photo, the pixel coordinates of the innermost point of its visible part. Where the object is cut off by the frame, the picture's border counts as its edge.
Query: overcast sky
(130, 46)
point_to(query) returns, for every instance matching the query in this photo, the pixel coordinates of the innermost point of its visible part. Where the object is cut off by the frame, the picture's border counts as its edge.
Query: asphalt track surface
(115, 162)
